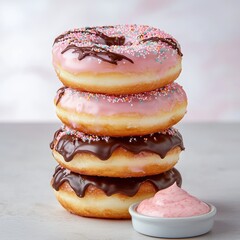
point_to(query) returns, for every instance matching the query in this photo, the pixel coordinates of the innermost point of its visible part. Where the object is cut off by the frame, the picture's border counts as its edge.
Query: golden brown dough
(122, 125)
(122, 163)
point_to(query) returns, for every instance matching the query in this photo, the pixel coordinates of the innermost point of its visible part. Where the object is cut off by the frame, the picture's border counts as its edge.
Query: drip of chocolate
(97, 52)
(69, 145)
(109, 41)
(119, 41)
(169, 41)
(55, 136)
(126, 186)
(60, 93)
(62, 36)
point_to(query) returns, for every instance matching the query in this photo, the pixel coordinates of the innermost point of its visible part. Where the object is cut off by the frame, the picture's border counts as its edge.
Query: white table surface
(210, 168)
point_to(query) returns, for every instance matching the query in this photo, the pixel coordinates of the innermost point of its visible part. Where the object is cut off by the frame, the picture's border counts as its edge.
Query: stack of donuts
(118, 104)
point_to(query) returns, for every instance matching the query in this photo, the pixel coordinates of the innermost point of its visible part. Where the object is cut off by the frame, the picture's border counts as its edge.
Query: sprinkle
(165, 91)
(87, 37)
(88, 138)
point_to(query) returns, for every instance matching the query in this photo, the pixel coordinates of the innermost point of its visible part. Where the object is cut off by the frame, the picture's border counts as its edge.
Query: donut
(105, 197)
(121, 115)
(121, 59)
(117, 157)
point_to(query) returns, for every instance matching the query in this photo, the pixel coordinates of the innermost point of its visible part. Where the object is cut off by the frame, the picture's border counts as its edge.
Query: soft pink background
(208, 31)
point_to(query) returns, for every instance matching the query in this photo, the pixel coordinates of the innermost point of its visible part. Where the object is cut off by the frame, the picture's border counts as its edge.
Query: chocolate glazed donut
(124, 157)
(106, 197)
(110, 186)
(70, 143)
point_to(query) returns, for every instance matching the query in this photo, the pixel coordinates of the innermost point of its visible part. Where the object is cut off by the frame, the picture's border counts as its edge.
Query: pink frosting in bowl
(172, 213)
(173, 202)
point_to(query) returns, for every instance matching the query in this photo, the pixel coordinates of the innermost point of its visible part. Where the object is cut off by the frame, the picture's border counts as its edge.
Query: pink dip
(172, 202)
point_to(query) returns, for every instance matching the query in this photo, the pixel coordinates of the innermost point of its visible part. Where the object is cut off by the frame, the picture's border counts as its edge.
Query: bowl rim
(135, 214)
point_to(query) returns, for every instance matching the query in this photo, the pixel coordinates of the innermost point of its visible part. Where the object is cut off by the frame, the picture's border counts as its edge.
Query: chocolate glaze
(169, 41)
(68, 145)
(97, 52)
(55, 136)
(126, 186)
(60, 93)
(89, 31)
(119, 41)
(109, 41)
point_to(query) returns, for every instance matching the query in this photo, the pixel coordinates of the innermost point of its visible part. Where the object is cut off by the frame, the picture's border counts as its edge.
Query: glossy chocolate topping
(92, 31)
(60, 93)
(68, 143)
(94, 50)
(97, 52)
(118, 41)
(169, 41)
(126, 186)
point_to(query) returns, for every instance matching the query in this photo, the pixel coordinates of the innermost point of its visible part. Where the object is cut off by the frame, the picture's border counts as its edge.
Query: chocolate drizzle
(93, 31)
(127, 186)
(94, 50)
(68, 145)
(109, 41)
(99, 47)
(97, 52)
(169, 41)
(60, 93)
(119, 41)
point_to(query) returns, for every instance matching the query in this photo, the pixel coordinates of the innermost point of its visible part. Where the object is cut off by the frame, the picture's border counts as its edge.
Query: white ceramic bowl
(172, 227)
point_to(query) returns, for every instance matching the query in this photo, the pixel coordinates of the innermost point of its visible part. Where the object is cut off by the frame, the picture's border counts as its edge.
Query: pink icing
(147, 56)
(163, 99)
(172, 202)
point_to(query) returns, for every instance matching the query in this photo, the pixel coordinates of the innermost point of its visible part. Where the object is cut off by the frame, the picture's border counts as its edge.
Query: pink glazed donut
(121, 115)
(121, 59)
